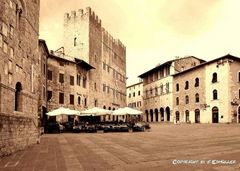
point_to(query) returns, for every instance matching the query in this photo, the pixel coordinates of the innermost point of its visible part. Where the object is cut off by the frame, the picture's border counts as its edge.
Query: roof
(209, 62)
(134, 84)
(169, 64)
(43, 42)
(77, 61)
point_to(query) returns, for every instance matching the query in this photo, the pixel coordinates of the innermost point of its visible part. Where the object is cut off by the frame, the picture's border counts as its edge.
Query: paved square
(158, 149)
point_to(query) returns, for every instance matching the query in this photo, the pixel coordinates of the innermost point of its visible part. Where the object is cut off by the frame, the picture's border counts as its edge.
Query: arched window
(187, 99)
(196, 82)
(215, 95)
(79, 100)
(177, 101)
(18, 90)
(85, 102)
(104, 107)
(177, 87)
(196, 97)
(186, 85)
(156, 91)
(177, 116)
(214, 77)
(187, 116)
(75, 42)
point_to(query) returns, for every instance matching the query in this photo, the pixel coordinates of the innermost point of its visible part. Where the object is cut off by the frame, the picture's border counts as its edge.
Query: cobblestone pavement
(154, 150)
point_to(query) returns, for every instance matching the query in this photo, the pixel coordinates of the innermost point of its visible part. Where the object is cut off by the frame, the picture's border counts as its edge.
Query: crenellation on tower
(80, 12)
(73, 14)
(66, 17)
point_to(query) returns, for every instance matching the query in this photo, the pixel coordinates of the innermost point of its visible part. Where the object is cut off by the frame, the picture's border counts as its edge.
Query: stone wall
(16, 133)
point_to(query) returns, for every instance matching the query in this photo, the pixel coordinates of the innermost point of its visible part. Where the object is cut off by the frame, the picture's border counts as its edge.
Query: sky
(154, 31)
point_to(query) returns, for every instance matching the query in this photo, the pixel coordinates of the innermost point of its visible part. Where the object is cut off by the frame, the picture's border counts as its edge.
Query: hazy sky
(155, 31)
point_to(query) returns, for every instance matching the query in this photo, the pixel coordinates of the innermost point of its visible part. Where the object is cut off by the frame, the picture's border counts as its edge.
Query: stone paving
(158, 149)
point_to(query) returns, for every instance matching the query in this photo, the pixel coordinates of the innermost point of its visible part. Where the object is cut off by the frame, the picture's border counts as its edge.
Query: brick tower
(85, 38)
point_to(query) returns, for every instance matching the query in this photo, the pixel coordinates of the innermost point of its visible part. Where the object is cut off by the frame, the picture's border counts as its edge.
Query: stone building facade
(208, 93)
(42, 102)
(86, 39)
(68, 83)
(158, 88)
(135, 96)
(19, 74)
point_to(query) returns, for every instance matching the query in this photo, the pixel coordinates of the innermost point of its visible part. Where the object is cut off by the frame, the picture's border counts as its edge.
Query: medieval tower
(86, 39)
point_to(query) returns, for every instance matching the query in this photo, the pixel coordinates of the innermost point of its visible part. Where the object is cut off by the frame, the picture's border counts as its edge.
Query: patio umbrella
(127, 111)
(63, 111)
(96, 111)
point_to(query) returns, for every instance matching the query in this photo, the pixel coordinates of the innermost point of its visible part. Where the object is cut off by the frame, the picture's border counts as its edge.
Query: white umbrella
(63, 111)
(96, 111)
(127, 111)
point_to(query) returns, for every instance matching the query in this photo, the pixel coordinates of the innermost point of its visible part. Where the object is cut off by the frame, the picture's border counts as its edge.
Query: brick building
(158, 88)
(68, 82)
(209, 92)
(135, 96)
(19, 74)
(86, 39)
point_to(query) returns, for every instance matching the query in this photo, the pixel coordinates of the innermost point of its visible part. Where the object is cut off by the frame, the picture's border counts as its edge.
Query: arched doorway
(197, 116)
(17, 96)
(162, 114)
(187, 116)
(146, 112)
(215, 115)
(151, 115)
(177, 116)
(156, 115)
(168, 113)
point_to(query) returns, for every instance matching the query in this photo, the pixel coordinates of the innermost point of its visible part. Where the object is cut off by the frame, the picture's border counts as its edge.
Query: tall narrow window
(61, 98)
(17, 96)
(49, 95)
(161, 89)
(85, 101)
(84, 82)
(79, 100)
(139, 93)
(71, 99)
(156, 91)
(95, 86)
(71, 80)
(177, 87)
(61, 78)
(196, 82)
(49, 75)
(75, 42)
(167, 87)
(186, 85)
(177, 101)
(197, 98)
(215, 95)
(187, 99)
(214, 77)
(104, 87)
